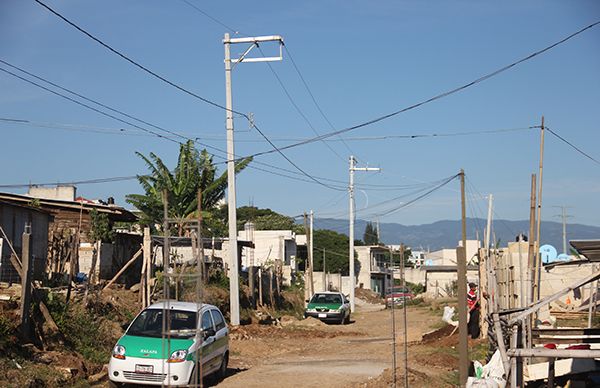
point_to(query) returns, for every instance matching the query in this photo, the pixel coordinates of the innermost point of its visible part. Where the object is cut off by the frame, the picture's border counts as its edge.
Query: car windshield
(326, 298)
(150, 324)
(398, 290)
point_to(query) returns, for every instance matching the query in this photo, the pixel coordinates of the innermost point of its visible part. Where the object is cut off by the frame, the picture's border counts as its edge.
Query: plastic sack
(447, 316)
(489, 376)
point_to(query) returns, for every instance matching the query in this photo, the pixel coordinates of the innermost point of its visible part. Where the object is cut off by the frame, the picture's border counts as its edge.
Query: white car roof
(182, 306)
(328, 292)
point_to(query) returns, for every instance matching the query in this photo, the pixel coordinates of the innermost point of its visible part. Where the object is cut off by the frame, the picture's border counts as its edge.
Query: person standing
(473, 306)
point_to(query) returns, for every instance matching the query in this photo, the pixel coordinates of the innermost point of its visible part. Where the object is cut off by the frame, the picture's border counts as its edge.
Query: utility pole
(539, 218)
(311, 254)
(351, 220)
(166, 245)
(564, 217)
(531, 256)
(461, 258)
(26, 265)
(234, 282)
(405, 326)
(391, 268)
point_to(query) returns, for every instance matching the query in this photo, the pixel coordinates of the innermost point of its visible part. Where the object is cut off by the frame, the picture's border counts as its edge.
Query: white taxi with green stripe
(166, 345)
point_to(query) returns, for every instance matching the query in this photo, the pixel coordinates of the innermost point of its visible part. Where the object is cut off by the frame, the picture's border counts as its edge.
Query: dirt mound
(257, 332)
(368, 296)
(442, 336)
(386, 379)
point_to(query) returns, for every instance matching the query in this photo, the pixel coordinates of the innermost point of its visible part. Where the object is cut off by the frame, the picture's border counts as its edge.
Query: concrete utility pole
(26, 281)
(234, 282)
(564, 217)
(352, 216)
(461, 258)
(311, 253)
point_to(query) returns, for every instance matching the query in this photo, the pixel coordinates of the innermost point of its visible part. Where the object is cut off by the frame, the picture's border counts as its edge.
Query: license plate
(144, 369)
(321, 315)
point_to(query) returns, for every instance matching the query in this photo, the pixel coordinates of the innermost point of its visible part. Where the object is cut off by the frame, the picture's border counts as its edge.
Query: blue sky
(360, 59)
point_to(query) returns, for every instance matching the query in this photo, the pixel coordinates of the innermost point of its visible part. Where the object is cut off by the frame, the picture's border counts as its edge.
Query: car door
(221, 336)
(208, 343)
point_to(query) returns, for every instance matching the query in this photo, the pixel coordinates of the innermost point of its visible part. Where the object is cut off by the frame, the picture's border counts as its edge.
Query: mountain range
(447, 233)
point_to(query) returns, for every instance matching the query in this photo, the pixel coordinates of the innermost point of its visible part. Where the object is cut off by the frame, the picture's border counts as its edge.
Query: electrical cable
(136, 64)
(126, 115)
(86, 105)
(409, 203)
(572, 145)
(314, 100)
(210, 17)
(438, 96)
(173, 84)
(300, 112)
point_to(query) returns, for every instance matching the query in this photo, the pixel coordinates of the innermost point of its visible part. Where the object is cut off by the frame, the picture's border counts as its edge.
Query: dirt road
(326, 355)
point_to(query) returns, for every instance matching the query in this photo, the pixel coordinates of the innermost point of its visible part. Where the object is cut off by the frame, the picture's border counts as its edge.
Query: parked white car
(166, 345)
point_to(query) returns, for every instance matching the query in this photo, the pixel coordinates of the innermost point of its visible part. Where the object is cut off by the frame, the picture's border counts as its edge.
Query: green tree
(263, 219)
(370, 235)
(194, 170)
(334, 247)
(101, 227)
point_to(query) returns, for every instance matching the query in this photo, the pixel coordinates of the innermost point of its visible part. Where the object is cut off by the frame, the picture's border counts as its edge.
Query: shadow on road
(211, 381)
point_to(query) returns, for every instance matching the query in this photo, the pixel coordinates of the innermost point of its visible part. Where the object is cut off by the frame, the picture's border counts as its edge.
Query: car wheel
(347, 319)
(223, 368)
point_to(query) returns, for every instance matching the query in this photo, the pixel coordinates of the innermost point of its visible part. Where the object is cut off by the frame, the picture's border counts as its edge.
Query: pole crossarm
(551, 298)
(254, 40)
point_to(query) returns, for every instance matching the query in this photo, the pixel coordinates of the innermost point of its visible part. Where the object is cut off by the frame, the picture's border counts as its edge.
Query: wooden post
(513, 360)
(531, 256)
(124, 268)
(539, 218)
(74, 254)
(272, 300)
(461, 258)
(26, 282)
(260, 284)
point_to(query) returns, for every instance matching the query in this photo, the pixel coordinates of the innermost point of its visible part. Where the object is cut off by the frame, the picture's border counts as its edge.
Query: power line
(572, 145)
(173, 84)
(132, 117)
(438, 96)
(314, 100)
(211, 17)
(136, 64)
(86, 105)
(300, 112)
(406, 204)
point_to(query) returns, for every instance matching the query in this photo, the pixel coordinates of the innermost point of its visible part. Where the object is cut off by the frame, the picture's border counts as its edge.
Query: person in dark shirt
(473, 307)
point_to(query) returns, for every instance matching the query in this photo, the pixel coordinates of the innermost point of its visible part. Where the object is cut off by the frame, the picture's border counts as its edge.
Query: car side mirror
(306, 300)
(207, 333)
(124, 326)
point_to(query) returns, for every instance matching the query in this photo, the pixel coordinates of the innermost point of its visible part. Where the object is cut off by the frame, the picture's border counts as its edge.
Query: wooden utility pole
(531, 255)
(536, 296)
(26, 282)
(461, 258)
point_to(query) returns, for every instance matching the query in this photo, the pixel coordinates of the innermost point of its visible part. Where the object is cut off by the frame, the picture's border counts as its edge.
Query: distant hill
(446, 234)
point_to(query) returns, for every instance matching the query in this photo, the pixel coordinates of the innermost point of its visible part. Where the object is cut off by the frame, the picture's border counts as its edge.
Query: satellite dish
(548, 253)
(563, 257)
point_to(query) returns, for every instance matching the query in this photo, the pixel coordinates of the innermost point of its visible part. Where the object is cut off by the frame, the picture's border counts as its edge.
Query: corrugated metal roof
(588, 248)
